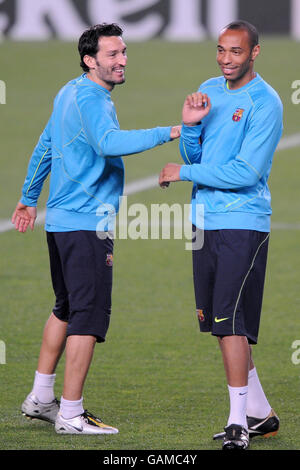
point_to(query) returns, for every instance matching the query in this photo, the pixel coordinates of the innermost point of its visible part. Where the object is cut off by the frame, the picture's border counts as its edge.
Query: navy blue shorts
(81, 271)
(229, 274)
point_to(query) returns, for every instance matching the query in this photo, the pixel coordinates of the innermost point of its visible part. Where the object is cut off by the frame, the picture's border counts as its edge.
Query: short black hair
(246, 26)
(88, 41)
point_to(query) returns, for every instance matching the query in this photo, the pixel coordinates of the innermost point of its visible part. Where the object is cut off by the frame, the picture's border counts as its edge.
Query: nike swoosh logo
(217, 320)
(77, 429)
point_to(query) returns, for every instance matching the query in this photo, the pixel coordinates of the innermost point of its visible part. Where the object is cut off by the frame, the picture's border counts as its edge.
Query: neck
(235, 84)
(92, 76)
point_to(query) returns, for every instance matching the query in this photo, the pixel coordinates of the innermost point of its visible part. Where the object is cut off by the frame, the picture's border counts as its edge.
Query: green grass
(156, 378)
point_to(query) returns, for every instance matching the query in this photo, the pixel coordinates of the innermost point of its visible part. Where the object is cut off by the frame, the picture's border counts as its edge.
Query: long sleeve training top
(228, 156)
(81, 148)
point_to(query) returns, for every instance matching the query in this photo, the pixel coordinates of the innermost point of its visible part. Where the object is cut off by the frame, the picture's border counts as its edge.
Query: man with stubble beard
(81, 148)
(231, 128)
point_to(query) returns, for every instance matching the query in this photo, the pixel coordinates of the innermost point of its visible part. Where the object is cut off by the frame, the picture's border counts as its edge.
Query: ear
(255, 52)
(89, 61)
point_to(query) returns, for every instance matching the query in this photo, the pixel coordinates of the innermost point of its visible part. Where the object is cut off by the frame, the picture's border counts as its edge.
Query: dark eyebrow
(234, 48)
(114, 51)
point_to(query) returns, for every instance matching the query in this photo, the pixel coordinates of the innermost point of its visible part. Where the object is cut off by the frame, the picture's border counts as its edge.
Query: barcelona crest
(109, 259)
(237, 116)
(200, 315)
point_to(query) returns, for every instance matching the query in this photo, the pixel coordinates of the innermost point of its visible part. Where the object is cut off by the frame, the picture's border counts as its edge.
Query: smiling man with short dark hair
(81, 148)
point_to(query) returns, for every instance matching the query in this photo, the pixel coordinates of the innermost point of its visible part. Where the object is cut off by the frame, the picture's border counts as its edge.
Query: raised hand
(196, 106)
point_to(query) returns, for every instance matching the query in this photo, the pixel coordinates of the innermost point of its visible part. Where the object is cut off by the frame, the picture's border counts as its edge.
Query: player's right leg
(204, 265)
(41, 403)
(236, 358)
(237, 307)
(261, 418)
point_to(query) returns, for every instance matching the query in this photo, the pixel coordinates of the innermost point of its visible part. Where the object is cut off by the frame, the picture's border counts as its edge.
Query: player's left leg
(261, 418)
(79, 353)
(257, 403)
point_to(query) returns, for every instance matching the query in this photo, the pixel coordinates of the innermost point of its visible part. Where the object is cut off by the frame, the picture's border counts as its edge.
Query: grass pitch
(156, 378)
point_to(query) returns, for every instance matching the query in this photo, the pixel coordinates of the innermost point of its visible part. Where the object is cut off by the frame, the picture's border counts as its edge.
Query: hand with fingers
(196, 106)
(170, 173)
(175, 132)
(23, 217)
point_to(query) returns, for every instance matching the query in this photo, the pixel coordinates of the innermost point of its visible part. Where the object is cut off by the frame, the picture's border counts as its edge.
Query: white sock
(238, 405)
(257, 404)
(43, 387)
(69, 409)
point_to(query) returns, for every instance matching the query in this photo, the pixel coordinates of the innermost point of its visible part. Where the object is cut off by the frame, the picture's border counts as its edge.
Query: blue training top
(82, 146)
(229, 155)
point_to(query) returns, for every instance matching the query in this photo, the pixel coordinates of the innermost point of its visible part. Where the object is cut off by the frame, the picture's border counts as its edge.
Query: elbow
(245, 176)
(103, 148)
(247, 182)
(248, 174)
(107, 151)
(107, 146)
(251, 180)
